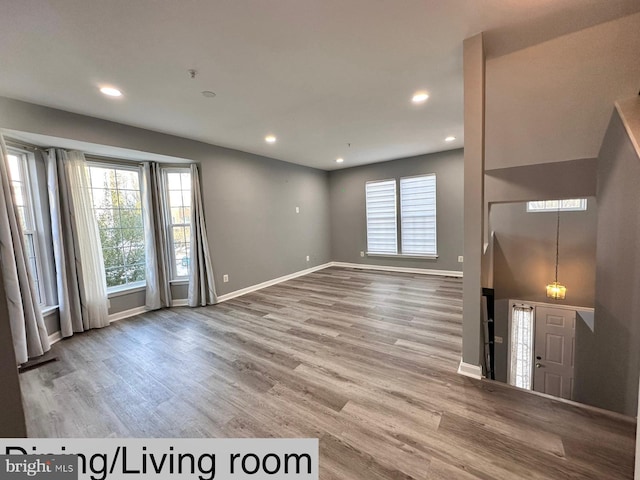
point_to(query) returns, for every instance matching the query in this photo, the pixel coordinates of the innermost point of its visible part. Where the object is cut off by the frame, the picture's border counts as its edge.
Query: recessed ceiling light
(449, 139)
(208, 94)
(270, 139)
(110, 91)
(420, 97)
(339, 160)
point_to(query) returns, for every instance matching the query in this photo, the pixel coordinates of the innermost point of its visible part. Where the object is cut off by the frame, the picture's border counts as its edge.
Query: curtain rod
(16, 143)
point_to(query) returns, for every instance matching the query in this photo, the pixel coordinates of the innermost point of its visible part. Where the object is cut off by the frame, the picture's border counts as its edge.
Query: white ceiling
(318, 74)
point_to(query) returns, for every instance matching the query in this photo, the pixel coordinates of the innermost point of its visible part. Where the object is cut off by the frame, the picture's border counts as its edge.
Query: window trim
(24, 158)
(395, 207)
(118, 290)
(398, 211)
(584, 205)
(435, 223)
(175, 278)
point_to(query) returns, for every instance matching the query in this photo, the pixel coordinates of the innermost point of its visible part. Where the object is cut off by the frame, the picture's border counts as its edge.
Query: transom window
(24, 203)
(567, 205)
(178, 183)
(115, 192)
(416, 231)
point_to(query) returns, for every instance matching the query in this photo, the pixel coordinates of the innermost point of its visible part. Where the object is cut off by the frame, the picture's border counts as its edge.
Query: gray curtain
(63, 246)
(158, 292)
(30, 338)
(78, 310)
(202, 290)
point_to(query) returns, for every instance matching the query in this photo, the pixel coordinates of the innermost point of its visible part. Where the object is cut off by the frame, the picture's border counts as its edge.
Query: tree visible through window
(24, 202)
(178, 183)
(117, 207)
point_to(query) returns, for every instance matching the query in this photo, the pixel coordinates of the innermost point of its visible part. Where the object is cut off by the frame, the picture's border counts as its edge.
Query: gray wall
(254, 230)
(249, 201)
(611, 354)
(570, 179)
(524, 253)
(501, 329)
(525, 242)
(348, 209)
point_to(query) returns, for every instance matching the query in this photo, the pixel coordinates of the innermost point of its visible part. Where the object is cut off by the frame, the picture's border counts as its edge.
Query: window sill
(180, 281)
(49, 310)
(126, 290)
(399, 255)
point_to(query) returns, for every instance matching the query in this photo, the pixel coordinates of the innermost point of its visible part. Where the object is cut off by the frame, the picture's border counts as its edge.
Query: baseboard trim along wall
(114, 317)
(268, 283)
(385, 268)
(55, 337)
(468, 370)
(291, 276)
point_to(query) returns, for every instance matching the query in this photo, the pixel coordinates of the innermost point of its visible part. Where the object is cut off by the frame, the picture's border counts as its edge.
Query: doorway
(542, 348)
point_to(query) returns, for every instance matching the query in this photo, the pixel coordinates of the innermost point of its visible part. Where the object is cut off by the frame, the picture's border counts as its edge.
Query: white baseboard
(55, 337)
(181, 302)
(127, 313)
(469, 370)
(260, 286)
(385, 268)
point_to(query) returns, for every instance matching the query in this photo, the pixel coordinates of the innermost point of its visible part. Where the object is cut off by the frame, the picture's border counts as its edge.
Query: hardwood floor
(365, 361)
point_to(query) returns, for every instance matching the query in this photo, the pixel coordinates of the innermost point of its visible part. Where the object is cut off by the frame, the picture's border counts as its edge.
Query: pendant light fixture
(556, 290)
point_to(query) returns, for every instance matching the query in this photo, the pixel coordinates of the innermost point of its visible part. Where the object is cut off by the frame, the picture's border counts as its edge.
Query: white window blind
(418, 215)
(382, 233)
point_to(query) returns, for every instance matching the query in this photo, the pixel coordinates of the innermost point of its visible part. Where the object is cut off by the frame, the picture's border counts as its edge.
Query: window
(24, 203)
(178, 184)
(417, 229)
(382, 234)
(418, 214)
(569, 205)
(521, 345)
(115, 192)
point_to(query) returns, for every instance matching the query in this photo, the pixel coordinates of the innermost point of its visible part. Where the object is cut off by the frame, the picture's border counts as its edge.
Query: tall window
(418, 214)
(178, 184)
(521, 345)
(117, 205)
(382, 234)
(24, 202)
(416, 233)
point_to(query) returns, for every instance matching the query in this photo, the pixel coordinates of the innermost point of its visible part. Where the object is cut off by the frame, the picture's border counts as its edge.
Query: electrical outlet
(307, 258)
(498, 339)
(225, 278)
(460, 259)
(362, 254)
(297, 209)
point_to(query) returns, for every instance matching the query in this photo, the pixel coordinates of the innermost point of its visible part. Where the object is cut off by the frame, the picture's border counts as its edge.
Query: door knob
(538, 364)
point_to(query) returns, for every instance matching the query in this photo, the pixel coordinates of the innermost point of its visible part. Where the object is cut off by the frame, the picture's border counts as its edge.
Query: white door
(554, 350)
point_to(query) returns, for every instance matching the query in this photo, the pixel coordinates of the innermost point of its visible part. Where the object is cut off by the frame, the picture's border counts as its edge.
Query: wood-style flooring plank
(363, 360)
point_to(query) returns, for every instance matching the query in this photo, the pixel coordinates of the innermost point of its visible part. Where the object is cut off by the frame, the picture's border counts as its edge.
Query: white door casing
(554, 348)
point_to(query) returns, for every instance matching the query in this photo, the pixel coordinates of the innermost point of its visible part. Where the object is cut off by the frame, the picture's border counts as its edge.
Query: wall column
(474, 88)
